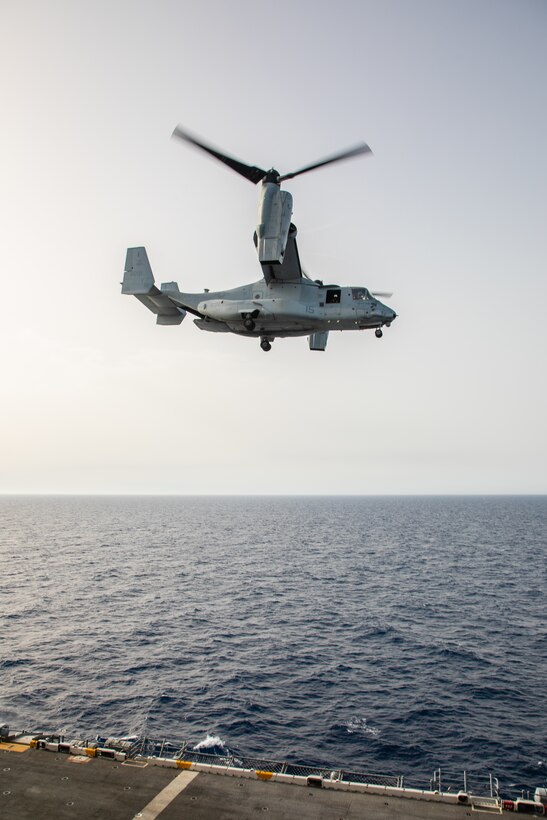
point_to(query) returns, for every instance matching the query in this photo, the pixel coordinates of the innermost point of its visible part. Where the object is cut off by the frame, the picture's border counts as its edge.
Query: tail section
(137, 277)
(138, 281)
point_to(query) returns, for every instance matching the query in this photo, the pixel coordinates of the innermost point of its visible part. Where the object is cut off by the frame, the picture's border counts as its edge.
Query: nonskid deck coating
(48, 785)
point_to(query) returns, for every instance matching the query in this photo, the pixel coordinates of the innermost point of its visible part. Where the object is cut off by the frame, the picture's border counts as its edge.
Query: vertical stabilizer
(137, 277)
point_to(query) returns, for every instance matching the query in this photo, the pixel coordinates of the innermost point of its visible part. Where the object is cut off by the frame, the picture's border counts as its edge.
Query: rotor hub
(272, 176)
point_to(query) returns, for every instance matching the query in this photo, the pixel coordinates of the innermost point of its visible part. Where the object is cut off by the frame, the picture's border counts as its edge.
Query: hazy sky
(449, 214)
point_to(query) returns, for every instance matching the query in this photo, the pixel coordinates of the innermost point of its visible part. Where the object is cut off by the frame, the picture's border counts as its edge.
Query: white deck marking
(166, 796)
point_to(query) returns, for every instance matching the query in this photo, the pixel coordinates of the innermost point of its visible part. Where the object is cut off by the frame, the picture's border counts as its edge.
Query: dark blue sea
(382, 634)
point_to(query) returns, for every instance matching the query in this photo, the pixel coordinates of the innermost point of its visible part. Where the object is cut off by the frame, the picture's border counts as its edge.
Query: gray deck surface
(40, 784)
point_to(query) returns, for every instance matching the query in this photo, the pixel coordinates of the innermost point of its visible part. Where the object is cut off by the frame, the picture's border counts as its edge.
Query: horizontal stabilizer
(138, 281)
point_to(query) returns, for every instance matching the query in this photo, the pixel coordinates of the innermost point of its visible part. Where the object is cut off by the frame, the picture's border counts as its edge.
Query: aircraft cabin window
(360, 293)
(333, 297)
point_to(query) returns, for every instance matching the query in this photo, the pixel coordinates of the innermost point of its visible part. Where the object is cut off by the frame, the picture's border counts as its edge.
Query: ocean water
(380, 634)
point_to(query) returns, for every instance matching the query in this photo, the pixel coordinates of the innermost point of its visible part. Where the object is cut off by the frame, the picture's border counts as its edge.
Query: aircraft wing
(290, 269)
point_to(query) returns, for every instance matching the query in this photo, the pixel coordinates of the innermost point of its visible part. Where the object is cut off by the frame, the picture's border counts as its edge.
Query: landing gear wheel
(378, 333)
(265, 345)
(248, 323)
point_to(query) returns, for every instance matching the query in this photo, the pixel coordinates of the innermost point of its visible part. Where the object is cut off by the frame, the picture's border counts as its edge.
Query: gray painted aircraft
(285, 302)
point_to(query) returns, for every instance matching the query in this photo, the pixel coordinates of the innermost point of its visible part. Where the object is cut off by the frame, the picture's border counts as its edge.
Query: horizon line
(269, 495)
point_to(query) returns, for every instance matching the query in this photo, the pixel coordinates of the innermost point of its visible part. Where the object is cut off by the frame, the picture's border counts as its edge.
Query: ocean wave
(212, 745)
(394, 635)
(360, 726)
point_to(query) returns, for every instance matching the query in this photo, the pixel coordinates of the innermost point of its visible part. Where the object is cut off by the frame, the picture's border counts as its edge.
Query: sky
(449, 213)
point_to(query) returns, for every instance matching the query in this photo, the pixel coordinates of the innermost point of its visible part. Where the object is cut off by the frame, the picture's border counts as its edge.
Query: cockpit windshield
(360, 293)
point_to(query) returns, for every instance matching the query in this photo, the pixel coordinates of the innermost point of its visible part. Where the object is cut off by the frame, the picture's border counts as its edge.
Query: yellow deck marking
(166, 796)
(13, 747)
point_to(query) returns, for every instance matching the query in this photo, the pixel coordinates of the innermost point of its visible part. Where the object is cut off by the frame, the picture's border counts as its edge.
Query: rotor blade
(250, 172)
(381, 293)
(362, 148)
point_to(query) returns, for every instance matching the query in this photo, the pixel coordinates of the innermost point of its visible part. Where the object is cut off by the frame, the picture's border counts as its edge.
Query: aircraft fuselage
(284, 308)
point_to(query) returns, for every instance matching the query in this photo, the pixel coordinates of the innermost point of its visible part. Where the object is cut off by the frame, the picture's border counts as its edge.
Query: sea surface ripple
(386, 634)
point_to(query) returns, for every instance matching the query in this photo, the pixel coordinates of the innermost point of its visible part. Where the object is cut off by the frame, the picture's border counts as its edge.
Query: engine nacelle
(274, 220)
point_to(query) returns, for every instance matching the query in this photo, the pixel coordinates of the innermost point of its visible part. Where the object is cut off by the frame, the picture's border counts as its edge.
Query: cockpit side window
(360, 293)
(333, 296)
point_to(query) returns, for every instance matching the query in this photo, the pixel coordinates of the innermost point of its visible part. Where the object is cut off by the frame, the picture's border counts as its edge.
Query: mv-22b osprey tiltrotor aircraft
(286, 302)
